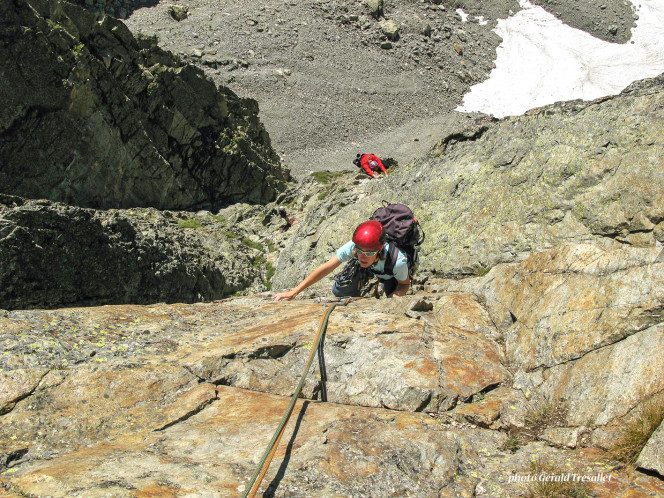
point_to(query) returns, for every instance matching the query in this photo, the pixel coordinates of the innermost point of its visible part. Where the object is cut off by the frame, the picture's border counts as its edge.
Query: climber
(366, 255)
(287, 218)
(371, 164)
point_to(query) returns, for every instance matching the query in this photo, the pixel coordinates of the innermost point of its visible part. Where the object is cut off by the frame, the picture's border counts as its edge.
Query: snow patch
(542, 60)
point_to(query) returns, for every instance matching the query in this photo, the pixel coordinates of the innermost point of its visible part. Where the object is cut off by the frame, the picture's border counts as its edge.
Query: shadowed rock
(54, 255)
(94, 117)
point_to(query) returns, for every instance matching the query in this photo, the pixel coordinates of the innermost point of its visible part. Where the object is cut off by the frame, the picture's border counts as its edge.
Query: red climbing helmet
(369, 236)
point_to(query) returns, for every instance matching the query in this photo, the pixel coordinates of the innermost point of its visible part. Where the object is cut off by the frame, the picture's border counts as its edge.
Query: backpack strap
(392, 255)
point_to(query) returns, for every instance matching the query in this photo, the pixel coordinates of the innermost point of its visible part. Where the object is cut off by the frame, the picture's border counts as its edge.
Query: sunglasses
(369, 254)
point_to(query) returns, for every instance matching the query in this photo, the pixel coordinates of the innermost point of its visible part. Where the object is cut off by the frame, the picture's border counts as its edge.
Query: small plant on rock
(540, 416)
(326, 176)
(190, 223)
(512, 444)
(229, 235)
(545, 414)
(250, 243)
(634, 434)
(554, 488)
(482, 270)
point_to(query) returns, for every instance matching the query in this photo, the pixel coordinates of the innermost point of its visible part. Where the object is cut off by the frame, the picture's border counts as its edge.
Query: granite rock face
(94, 117)
(180, 399)
(652, 456)
(581, 325)
(541, 284)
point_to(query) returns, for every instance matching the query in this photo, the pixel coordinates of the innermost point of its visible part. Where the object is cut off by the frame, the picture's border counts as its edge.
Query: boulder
(374, 8)
(390, 29)
(652, 456)
(178, 12)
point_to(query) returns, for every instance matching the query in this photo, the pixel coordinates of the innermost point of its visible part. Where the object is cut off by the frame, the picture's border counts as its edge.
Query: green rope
(289, 410)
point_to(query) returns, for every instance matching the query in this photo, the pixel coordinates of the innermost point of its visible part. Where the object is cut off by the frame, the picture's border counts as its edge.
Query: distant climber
(371, 164)
(367, 255)
(287, 218)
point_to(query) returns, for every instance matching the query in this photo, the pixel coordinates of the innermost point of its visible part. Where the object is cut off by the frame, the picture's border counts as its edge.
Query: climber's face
(367, 258)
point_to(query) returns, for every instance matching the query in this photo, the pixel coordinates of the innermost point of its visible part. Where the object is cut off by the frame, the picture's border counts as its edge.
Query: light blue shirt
(400, 272)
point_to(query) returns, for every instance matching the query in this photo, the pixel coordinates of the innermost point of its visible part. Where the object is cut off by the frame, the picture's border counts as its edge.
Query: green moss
(269, 272)
(190, 223)
(219, 218)
(54, 25)
(229, 235)
(250, 243)
(512, 444)
(270, 246)
(78, 49)
(481, 271)
(326, 176)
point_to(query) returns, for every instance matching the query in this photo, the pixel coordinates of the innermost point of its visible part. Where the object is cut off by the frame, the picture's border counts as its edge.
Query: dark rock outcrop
(116, 8)
(55, 255)
(94, 117)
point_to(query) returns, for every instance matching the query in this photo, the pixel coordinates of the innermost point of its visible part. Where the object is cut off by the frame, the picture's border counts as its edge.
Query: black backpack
(403, 233)
(357, 160)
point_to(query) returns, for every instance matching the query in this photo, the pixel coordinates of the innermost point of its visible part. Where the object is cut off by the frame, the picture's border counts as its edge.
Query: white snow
(463, 15)
(542, 60)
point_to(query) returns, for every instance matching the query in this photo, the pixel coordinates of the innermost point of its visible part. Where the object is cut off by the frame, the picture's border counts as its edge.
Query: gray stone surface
(317, 113)
(652, 456)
